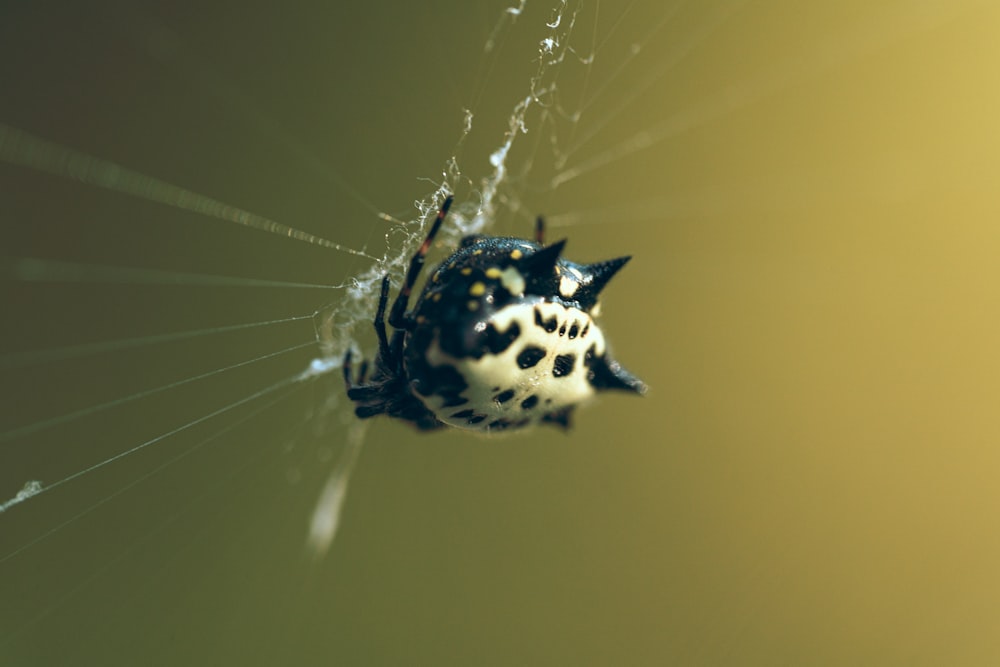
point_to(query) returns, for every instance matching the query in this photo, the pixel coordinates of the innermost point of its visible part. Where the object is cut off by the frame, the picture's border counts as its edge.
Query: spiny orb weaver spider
(502, 336)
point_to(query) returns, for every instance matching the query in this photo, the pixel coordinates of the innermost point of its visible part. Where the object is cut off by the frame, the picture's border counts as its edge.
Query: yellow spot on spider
(477, 289)
(466, 271)
(421, 319)
(436, 297)
(436, 278)
(477, 252)
(493, 273)
(516, 254)
(473, 305)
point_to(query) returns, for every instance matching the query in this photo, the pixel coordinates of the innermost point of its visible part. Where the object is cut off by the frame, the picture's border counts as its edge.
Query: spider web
(337, 322)
(182, 279)
(497, 140)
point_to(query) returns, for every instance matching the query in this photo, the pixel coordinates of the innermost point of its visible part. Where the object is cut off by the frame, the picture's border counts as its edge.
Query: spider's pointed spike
(606, 373)
(542, 262)
(540, 230)
(598, 276)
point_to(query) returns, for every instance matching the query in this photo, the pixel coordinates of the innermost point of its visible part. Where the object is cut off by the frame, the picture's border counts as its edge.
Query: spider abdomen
(542, 371)
(502, 336)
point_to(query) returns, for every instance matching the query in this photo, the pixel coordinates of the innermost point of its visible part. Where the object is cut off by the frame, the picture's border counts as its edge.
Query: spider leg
(396, 350)
(379, 321)
(347, 369)
(365, 392)
(540, 230)
(351, 380)
(397, 317)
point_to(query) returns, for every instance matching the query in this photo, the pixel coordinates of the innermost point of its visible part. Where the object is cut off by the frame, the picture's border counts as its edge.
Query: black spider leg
(399, 318)
(349, 368)
(391, 355)
(379, 322)
(383, 343)
(385, 351)
(387, 391)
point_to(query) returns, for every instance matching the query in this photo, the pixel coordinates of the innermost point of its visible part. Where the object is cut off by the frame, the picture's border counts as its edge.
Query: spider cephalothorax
(502, 336)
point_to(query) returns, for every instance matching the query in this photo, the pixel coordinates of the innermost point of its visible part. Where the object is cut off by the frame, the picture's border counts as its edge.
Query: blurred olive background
(809, 193)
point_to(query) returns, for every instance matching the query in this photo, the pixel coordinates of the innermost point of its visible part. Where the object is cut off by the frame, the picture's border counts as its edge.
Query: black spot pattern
(530, 356)
(563, 365)
(466, 338)
(497, 342)
(404, 377)
(505, 396)
(549, 325)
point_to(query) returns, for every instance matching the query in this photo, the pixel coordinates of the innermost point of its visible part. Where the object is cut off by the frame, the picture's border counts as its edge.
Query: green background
(813, 300)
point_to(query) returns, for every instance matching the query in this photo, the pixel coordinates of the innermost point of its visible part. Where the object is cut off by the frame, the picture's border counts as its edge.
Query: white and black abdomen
(505, 337)
(540, 376)
(502, 336)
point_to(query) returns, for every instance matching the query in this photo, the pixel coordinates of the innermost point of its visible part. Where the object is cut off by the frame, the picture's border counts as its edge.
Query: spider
(502, 336)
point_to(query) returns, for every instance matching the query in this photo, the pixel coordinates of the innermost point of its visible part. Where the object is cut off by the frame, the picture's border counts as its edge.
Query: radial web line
(896, 22)
(30, 269)
(232, 473)
(624, 63)
(680, 51)
(36, 488)
(184, 58)
(22, 431)
(20, 359)
(26, 150)
(612, 29)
